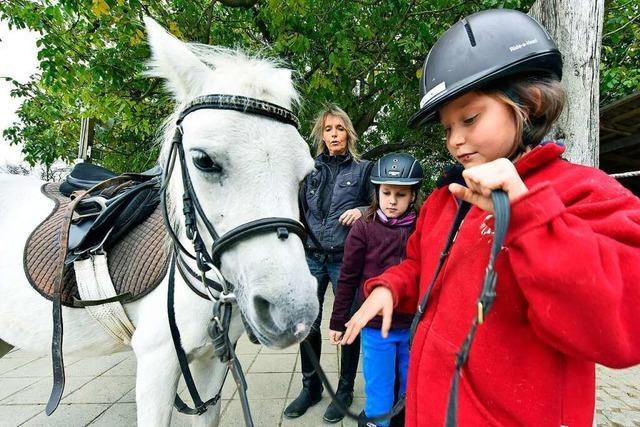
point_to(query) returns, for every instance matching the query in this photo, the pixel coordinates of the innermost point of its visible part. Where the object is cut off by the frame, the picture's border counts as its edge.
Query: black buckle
(282, 232)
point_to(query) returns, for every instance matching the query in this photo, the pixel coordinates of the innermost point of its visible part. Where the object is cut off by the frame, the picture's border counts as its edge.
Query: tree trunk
(576, 27)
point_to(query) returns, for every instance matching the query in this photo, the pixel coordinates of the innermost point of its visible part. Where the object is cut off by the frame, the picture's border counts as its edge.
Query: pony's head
(243, 167)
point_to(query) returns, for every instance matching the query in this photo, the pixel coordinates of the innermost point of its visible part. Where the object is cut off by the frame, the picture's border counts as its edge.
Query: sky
(18, 59)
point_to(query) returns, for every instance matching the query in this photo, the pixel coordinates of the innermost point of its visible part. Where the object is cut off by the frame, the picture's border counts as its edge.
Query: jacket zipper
(323, 222)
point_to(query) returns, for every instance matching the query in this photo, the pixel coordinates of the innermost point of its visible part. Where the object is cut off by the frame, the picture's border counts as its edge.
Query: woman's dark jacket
(370, 249)
(337, 184)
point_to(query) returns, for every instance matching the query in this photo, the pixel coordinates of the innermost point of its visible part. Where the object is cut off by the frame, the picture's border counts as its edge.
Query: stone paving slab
(273, 363)
(14, 415)
(103, 390)
(120, 414)
(38, 393)
(13, 385)
(100, 391)
(66, 415)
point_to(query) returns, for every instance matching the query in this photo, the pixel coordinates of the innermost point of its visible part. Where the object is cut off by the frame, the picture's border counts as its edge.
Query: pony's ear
(173, 61)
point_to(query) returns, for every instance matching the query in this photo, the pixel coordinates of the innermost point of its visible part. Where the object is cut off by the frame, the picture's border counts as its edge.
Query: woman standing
(333, 197)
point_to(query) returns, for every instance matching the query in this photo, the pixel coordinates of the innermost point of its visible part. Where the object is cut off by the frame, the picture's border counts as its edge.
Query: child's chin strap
(502, 213)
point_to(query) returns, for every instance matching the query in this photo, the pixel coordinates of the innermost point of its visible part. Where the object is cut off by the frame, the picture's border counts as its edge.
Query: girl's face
(395, 199)
(479, 128)
(334, 135)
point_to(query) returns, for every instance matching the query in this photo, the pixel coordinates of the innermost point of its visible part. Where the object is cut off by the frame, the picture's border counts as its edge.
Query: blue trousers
(382, 360)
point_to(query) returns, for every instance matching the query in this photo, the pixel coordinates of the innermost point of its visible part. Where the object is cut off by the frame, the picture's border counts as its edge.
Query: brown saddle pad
(137, 263)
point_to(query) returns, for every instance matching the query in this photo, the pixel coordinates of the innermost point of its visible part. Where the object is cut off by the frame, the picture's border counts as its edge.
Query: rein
(502, 213)
(219, 291)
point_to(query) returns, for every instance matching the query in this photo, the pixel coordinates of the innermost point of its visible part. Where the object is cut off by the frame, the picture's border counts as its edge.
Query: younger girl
(375, 243)
(568, 287)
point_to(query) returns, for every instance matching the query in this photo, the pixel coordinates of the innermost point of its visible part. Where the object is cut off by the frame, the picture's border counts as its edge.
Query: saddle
(125, 221)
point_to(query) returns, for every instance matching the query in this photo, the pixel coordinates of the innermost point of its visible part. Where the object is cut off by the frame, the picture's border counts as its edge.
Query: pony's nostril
(300, 330)
(263, 310)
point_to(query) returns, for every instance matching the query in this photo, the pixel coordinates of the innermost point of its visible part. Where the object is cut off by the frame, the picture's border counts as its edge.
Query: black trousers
(326, 269)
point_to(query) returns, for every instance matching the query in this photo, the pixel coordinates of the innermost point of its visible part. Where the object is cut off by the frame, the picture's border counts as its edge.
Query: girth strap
(56, 340)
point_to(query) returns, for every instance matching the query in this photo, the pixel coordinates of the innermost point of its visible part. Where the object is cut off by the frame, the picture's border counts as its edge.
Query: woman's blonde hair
(318, 128)
(536, 103)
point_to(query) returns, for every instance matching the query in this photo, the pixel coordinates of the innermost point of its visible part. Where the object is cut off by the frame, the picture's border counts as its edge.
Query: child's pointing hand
(379, 302)
(482, 179)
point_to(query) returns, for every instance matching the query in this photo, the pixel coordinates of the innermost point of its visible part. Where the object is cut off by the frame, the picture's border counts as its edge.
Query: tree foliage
(363, 55)
(620, 63)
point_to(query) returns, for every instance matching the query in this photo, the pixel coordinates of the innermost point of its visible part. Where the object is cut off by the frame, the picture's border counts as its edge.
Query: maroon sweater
(371, 247)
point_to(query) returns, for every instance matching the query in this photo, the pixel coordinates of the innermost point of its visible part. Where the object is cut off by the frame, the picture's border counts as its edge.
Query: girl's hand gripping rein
(498, 174)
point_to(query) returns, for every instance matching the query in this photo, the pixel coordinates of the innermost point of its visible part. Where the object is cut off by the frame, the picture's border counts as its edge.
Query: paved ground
(100, 391)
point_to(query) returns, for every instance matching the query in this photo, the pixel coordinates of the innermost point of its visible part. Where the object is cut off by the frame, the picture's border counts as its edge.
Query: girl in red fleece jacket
(568, 287)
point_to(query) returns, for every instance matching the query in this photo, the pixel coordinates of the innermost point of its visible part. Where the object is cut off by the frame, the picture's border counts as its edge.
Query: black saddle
(83, 176)
(102, 218)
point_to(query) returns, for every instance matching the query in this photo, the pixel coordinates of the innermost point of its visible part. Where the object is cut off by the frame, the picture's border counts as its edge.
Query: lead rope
(625, 174)
(485, 301)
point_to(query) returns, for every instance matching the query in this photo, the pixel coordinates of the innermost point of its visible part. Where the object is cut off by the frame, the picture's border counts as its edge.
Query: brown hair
(536, 103)
(370, 213)
(318, 126)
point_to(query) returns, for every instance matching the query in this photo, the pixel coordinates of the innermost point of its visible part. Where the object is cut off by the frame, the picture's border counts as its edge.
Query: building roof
(620, 139)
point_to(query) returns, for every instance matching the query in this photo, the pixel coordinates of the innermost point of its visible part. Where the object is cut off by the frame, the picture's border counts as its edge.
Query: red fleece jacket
(568, 296)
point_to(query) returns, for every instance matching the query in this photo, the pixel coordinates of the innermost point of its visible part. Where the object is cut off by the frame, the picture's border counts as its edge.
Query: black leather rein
(220, 291)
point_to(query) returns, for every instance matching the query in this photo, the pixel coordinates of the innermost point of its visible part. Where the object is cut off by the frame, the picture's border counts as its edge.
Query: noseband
(220, 290)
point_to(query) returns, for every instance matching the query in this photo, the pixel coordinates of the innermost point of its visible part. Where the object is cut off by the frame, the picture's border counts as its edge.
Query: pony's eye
(205, 163)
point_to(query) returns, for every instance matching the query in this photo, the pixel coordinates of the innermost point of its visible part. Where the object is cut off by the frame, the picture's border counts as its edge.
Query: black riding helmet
(397, 169)
(481, 49)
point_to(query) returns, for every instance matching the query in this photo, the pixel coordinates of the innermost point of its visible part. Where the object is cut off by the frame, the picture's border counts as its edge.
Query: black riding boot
(349, 356)
(311, 385)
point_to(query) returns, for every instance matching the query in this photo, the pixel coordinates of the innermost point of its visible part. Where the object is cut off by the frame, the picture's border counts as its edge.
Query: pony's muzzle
(282, 323)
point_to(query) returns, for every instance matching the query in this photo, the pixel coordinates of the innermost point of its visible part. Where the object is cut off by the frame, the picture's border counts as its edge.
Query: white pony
(263, 162)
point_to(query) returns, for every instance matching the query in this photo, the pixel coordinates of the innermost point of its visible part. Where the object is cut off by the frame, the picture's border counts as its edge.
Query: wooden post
(576, 27)
(86, 140)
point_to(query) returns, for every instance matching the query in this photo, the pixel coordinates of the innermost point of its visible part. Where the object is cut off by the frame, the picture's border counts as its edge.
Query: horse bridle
(220, 291)
(502, 213)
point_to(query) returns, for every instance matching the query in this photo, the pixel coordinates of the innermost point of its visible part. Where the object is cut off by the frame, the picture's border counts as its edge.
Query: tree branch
(262, 26)
(247, 4)
(439, 11)
(381, 150)
(622, 27)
